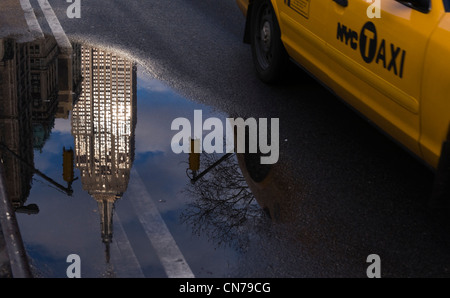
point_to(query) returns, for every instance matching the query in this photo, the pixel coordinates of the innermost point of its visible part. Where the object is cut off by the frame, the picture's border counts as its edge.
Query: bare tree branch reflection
(222, 206)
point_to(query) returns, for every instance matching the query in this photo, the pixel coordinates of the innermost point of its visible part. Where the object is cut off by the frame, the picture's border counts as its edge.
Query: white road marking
(122, 254)
(32, 22)
(156, 229)
(58, 32)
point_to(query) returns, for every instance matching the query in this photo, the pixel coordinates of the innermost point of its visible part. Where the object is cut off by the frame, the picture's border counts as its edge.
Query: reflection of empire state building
(103, 124)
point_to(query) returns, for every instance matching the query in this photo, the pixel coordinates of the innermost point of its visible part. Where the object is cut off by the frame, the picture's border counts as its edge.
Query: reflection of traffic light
(30, 209)
(194, 155)
(68, 165)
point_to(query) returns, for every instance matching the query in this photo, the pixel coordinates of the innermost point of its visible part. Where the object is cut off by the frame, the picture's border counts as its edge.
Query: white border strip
(156, 229)
(55, 26)
(122, 254)
(32, 22)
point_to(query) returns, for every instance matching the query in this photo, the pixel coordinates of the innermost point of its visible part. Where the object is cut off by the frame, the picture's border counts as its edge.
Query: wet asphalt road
(343, 189)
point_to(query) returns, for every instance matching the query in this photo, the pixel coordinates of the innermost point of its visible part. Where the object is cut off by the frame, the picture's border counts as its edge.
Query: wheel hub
(266, 35)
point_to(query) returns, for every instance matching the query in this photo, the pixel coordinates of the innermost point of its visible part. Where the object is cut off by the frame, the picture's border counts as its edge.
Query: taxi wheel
(269, 55)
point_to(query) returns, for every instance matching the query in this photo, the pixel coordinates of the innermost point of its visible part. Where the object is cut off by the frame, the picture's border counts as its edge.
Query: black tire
(269, 55)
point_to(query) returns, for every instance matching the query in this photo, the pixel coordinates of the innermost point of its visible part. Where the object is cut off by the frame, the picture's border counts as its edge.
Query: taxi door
(303, 25)
(378, 51)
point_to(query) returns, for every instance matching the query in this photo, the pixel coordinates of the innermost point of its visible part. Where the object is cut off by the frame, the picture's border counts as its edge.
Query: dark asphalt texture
(5, 269)
(346, 190)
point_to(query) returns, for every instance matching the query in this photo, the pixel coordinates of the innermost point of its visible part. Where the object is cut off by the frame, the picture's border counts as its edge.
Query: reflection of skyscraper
(15, 119)
(70, 79)
(103, 124)
(44, 87)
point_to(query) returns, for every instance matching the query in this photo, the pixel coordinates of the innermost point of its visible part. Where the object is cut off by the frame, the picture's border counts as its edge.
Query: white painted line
(58, 32)
(122, 254)
(156, 229)
(32, 22)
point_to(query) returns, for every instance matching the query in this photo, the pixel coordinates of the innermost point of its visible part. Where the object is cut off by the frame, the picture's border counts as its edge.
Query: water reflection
(44, 88)
(103, 126)
(32, 75)
(222, 206)
(39, 83)
(94, 91)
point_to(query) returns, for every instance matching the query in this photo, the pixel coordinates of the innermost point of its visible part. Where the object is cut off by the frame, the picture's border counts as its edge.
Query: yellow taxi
(389, 59)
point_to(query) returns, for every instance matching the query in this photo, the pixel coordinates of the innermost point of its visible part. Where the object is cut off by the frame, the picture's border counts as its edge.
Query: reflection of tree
(223, 206)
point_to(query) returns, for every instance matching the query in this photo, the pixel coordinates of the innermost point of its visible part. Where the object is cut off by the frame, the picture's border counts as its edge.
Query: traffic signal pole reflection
(68, 190)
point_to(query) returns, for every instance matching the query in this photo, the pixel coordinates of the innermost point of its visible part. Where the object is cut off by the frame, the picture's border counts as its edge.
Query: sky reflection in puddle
(123, 166)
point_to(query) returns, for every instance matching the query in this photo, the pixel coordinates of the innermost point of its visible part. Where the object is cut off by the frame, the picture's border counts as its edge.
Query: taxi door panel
(435, 109)
(380, 62)
(302, 24)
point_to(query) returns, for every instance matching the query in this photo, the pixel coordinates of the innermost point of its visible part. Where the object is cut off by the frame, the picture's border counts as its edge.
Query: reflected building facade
(44, 87)
(70, 80)
(103, 125)
(16, 106)
(31, 75)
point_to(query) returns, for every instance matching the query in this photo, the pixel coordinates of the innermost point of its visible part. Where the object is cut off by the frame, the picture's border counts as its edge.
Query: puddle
(86, 145)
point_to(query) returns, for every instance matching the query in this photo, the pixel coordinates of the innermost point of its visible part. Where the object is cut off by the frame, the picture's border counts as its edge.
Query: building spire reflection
(103, 125)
